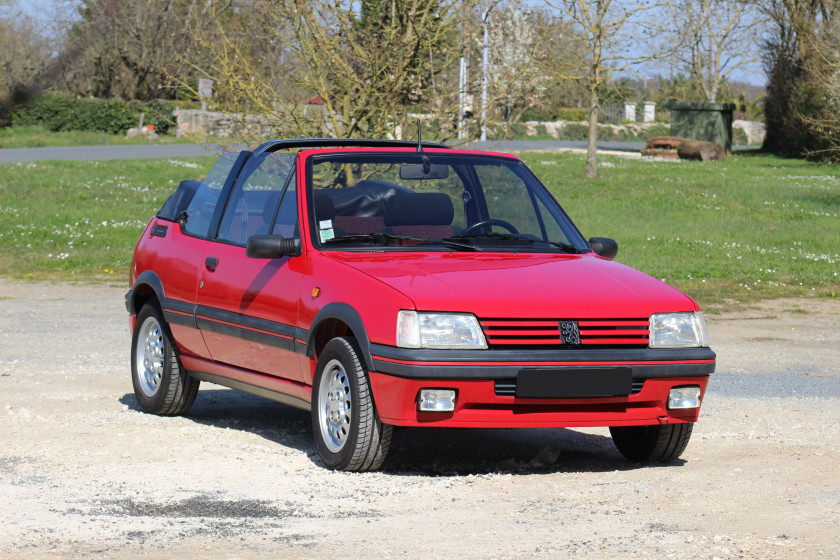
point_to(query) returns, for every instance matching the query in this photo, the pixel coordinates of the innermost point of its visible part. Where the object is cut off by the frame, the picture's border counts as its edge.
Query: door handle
(211, 263)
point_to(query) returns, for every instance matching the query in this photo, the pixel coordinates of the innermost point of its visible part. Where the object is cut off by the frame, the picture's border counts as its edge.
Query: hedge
(60, 112)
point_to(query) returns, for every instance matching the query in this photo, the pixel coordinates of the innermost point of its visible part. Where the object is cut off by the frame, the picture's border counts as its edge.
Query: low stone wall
(220, 125)
(224, 125)
(755, 130)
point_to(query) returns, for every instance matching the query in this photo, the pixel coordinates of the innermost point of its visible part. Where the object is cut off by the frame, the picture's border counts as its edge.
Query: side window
(255, 197)
(286, 223)
(203, 205)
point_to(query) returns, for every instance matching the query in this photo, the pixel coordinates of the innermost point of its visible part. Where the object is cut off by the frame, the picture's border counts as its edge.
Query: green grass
(749, 228)
(81, 220)
(39, 137)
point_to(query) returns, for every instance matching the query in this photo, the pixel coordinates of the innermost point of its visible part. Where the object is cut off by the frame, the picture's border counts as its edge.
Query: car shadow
(421, 451)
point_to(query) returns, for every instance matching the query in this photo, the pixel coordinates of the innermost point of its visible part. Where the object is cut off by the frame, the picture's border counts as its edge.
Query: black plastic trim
(146, 278)
(252, 389)
(502, 371)
(566, 355)
(246, 327)
(290, 144)
(347, 314)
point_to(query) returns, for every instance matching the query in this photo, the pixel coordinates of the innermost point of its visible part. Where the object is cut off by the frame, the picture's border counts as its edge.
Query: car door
(247, 307)
(181, 249)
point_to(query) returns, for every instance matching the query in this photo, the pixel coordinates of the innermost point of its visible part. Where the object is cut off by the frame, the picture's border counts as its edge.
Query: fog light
(684, 397)
(436, 400)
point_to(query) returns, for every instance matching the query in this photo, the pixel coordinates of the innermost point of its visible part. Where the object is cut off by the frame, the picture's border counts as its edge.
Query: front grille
(507, 387)
(547, 333)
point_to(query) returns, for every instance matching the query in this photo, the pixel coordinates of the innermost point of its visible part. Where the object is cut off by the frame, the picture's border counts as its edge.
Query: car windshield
(434, 201)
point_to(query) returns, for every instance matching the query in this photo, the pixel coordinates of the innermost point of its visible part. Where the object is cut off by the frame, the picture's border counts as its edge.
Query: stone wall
(755, 130)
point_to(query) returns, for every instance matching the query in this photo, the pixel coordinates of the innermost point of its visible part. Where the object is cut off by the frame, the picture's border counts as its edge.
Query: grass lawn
(749, 228)
(39, 137)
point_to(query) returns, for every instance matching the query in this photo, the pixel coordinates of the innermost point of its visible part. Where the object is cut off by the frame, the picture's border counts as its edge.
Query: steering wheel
(491, 222)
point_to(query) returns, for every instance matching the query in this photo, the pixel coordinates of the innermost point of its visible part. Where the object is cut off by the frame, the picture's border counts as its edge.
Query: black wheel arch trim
(351, 317)
(146, 278)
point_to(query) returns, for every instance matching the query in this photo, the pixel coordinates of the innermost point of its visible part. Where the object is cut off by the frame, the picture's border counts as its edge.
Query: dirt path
(83, 473)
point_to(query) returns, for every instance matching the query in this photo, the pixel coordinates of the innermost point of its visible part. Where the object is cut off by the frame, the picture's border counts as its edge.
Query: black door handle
(211, 263)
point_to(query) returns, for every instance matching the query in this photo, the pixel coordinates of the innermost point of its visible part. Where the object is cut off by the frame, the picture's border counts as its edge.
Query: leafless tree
(611, 37)
(712, 39)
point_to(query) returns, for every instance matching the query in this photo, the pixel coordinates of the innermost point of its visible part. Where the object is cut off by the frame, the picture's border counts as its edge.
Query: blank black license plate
(574, 383)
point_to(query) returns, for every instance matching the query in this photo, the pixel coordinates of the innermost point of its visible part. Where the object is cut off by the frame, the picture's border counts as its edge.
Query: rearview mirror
(271, 247)
(604, 246)
(424, 171)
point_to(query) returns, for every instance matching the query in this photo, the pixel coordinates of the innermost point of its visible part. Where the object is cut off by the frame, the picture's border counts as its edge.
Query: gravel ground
(84, 473)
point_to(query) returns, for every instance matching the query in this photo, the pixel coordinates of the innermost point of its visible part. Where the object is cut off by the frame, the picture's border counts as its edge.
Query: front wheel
(161, 384)
(348, 433)
(652, 444)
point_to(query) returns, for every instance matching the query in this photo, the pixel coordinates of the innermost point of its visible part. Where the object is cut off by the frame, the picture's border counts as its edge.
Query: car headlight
(678, 330)
(438, 330)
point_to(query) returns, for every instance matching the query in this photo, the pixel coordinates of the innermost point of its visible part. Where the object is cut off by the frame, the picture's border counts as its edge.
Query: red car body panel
(478, 406)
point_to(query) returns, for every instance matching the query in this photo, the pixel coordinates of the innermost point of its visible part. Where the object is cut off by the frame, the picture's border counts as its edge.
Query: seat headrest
(324, 206)
(432, 209)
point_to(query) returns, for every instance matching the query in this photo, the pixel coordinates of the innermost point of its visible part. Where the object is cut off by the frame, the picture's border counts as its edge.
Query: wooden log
(701, 151)
(660, 152)
(665, 142)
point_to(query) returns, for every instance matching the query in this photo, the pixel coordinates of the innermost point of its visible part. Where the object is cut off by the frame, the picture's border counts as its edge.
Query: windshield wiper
(385, 238)
(512, 237)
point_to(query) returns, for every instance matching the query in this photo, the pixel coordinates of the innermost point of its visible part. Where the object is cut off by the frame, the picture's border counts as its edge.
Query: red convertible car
(388, 283)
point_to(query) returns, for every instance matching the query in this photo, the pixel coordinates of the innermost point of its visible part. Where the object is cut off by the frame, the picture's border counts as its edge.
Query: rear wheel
(160, 383)
(652, 444)
(348, 433)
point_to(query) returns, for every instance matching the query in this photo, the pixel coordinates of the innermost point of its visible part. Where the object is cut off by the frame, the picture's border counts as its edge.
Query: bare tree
(25, 48)
(608, 34)
(136, 50)
(364, 65)
(514, 74)
(712, 39)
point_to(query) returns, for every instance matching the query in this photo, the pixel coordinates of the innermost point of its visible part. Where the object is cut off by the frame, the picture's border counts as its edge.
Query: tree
(607, 33)
(26, 52)
(363, 64)
(797, 71)
(711, 39)
(513, 73)
(135, 50)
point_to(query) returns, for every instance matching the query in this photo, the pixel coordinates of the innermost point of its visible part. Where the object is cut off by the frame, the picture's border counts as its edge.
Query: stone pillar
(630, 112)
(649, 114)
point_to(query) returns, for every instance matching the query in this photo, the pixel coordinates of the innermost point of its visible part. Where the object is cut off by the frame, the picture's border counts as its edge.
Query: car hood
(520, 285)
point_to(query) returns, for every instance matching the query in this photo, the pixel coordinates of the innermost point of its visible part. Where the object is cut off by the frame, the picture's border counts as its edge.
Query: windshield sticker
(326, 230)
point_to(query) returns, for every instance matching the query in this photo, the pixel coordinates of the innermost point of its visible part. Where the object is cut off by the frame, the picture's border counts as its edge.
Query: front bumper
(483, 381)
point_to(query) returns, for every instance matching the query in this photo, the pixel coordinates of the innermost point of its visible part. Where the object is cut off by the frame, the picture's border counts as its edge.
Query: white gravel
(84, 473)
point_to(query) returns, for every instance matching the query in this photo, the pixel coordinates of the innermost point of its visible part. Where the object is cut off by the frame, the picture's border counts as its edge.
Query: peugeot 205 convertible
(386, 283)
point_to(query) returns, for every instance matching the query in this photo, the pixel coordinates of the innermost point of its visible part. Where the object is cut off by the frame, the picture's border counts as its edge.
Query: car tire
(348, 433)
(161, 385)
(652, 444)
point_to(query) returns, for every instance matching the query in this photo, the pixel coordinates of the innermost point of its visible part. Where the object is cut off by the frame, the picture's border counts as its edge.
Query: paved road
(90, 153)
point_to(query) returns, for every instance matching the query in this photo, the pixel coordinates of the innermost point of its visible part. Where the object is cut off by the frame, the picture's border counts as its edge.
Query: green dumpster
(710, 122)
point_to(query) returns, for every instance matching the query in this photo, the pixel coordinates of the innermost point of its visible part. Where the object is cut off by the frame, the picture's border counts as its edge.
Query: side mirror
(271, 247)
(604, 246)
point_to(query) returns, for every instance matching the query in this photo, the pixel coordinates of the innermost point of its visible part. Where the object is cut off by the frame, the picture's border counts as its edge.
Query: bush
(574, 132)
(59, 112)
(739, 137)
(159, 114)
(565, 114)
